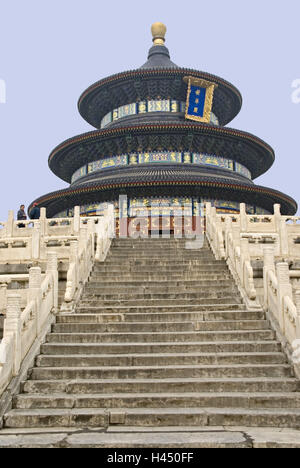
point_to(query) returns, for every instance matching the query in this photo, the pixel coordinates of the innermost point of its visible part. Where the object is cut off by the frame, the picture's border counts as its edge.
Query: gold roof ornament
(158, 32)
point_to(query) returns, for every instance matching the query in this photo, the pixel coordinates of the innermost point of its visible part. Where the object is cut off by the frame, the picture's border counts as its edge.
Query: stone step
(162, 257)
(198, 385)
(165, 249)
(162, 359)
(166, 400)
(121, 309)
(97, 417)
(165, 265)
(174, 437)
(156, 286)
(143, 348)
(183, 372)
(162, 317)
(144, 337)
(103, 283)
(155, 242)
(180, 268)
(159, 326)
(114, 277)
(160, 302)
(93, 289)
(150, 297)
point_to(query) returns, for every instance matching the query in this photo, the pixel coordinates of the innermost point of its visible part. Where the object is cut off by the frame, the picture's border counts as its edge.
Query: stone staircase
(160, 342)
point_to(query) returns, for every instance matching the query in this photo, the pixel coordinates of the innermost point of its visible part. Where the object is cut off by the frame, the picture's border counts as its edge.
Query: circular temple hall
(150, 152)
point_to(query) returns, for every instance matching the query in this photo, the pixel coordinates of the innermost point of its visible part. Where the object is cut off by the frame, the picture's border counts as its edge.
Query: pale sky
(51, 51)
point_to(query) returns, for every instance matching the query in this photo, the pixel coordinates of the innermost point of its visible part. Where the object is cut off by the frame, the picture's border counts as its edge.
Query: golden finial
(158, 32)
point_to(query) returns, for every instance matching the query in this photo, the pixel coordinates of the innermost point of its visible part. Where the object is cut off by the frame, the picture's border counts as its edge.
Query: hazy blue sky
(51, 51)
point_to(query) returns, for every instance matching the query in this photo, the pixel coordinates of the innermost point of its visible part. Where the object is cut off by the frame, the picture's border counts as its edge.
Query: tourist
(35, 212)
(21, 216)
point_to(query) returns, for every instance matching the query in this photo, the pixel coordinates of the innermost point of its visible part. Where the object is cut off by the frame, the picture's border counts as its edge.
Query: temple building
(149, 146)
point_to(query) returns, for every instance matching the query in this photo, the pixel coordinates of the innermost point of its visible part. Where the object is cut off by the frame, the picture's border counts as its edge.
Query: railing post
(52, 268)
(43, 221)
(269, 265)
(243, 217)
(284, 240)
(296, 342)
(12, 326)
(208, 219)
(207, 209)
(281, 231)
(35, 293)
(73, 250)
(76, 221)
(284, 289)
(277, 216)
(111, 221)
(3, 298)
(10, 224)
(83, 234)
(228, 228)
(245, 256)
(36, 240)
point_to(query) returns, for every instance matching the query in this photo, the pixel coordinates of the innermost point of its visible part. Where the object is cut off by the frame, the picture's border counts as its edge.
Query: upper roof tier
(158, 78)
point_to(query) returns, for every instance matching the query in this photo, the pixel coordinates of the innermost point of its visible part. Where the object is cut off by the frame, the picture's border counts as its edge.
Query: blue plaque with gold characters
(199, 99)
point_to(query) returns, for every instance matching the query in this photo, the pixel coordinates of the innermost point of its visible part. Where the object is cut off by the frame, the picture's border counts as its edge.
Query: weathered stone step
(178, 437)
(166, 249)
(183, 372)
(207, 385)
(165, 265)
(156, 286)
(159, 291)
(150, 297)
(160, 302)
(162, 317)
(153, 400)
(103, 283)
(156, 242)
(144, 337)
(142, 348)
(121, 309)
(162, 257)
(114, 278)
(97, 417)
(180, 267)
(159, 326)
(162, 359)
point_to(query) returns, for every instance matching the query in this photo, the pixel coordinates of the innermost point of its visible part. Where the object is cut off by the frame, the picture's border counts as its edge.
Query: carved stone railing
(83, 254)
(283, 232)
(77, 243)
(22, 329)
(227, 243)
(278, 301)
(33, 241)
(242, 239)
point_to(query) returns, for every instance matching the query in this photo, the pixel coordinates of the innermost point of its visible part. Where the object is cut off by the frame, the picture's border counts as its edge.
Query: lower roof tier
(156, 183)
(244, 148)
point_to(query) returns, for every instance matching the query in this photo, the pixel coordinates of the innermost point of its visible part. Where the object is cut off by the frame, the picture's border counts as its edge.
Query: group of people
(34, 214)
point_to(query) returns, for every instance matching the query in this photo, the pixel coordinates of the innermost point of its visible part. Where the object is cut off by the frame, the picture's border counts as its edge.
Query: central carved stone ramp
(160, 341)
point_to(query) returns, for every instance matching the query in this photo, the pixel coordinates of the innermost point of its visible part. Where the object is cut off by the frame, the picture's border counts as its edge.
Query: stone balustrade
(23, 328)
(273, 240)
(76, 241)
(30, 311)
